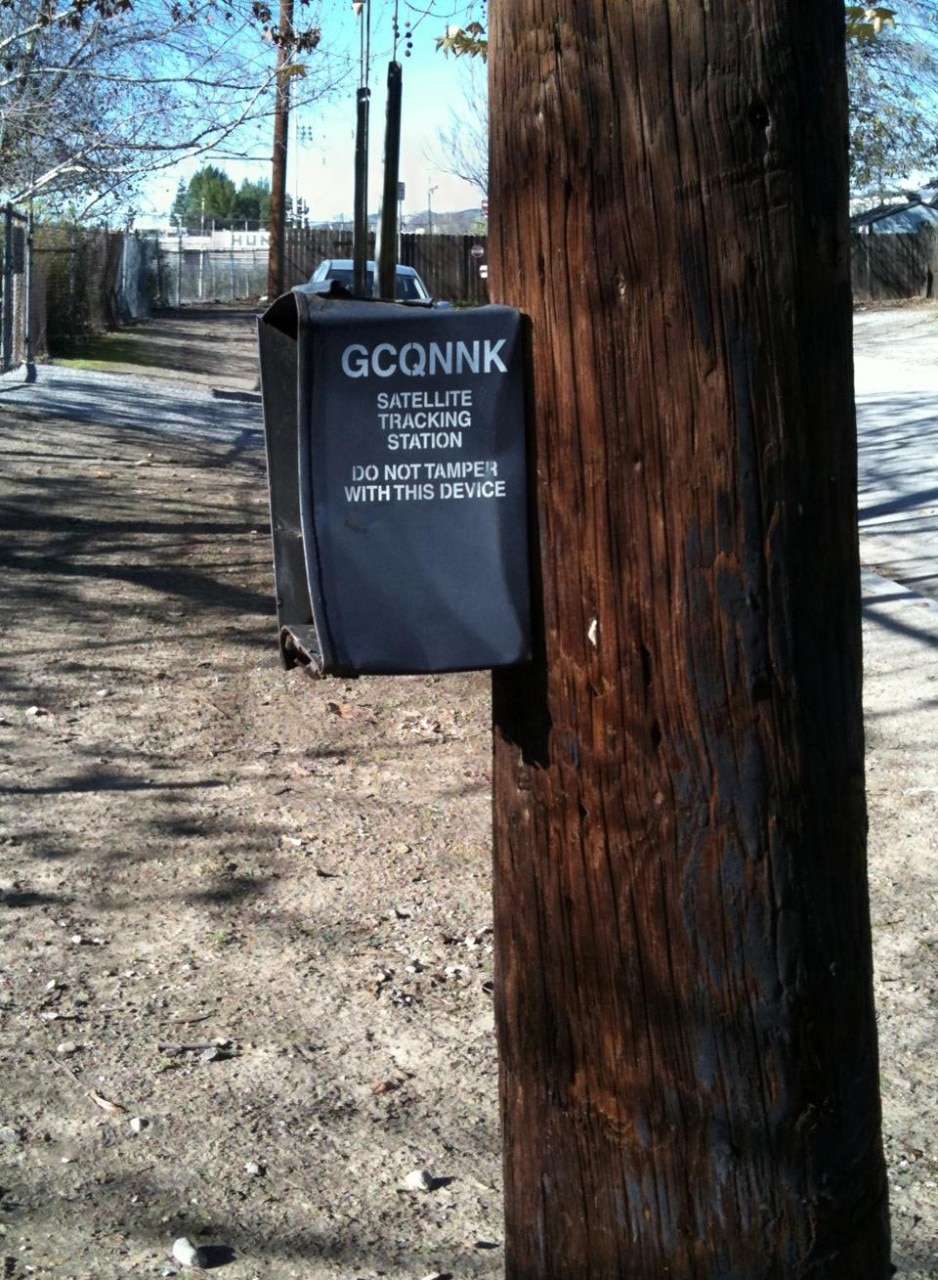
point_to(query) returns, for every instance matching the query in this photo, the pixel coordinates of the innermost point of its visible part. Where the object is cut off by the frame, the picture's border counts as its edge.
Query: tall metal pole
(387, 256)
(360, 213)
(363, 109)
(7, 319)
(28, 330)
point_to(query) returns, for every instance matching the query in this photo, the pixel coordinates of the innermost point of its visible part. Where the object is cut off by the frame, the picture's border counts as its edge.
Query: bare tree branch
(462, 147)
(95, 94)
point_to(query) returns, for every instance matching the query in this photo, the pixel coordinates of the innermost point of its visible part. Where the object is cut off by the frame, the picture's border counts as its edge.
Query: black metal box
(396, 464)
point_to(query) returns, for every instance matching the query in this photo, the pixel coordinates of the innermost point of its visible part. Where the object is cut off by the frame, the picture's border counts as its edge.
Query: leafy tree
(178, 211)
(468, 41)
(252, 202)
(864, 23)
(892, 59)
(210, 195)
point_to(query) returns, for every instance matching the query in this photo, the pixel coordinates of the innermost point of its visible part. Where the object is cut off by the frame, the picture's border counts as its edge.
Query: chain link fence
(231, 265)
(221, 267)
(62, 283)
(84, 280)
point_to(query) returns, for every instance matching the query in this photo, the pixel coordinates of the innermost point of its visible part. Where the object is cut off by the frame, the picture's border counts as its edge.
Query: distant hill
(463, 222)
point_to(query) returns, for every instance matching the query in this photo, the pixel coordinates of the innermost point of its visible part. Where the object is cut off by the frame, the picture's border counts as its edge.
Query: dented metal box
(396, 464)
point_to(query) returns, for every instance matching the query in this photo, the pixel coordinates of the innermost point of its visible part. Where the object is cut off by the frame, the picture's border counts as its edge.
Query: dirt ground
(245, 956)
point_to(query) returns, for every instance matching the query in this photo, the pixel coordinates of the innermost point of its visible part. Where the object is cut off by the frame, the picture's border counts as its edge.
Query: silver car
(408, 286)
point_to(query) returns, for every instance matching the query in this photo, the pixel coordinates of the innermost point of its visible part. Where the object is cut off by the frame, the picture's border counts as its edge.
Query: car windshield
(405, 286)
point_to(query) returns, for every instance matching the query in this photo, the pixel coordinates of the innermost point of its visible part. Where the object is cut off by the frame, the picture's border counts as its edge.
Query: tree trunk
(278, 176)
(684, 997)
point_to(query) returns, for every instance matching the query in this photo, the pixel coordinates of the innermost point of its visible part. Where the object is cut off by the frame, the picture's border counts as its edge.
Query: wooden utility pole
(683, 976)
(278, 179)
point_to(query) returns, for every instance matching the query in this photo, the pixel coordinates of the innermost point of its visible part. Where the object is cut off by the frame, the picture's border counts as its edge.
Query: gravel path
(245, 966)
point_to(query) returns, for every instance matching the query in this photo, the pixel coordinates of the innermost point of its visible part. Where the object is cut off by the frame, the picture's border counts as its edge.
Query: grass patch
(106, 350)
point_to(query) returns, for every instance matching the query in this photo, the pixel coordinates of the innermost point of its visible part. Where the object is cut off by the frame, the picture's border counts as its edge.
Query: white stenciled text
(423, 359)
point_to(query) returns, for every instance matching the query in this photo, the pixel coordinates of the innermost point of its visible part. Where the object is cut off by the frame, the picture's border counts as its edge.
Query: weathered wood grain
(685, 1018)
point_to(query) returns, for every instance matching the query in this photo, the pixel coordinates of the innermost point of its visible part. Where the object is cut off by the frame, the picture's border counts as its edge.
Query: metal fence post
(6, 342)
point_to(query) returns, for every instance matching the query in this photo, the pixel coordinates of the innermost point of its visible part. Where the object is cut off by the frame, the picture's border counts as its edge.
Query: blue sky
(321, 164)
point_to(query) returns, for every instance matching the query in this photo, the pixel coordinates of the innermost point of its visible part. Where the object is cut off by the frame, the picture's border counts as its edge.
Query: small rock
(419, 1180)
(138, 1124)
(381, 1087)
(9, 1137)
(186, 1254)
(253, 1169)
(38, 711)
(216, 1053)
(67, 1048)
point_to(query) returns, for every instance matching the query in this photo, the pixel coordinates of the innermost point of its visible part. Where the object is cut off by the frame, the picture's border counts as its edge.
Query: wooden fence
(887, 267)
(446, 263)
